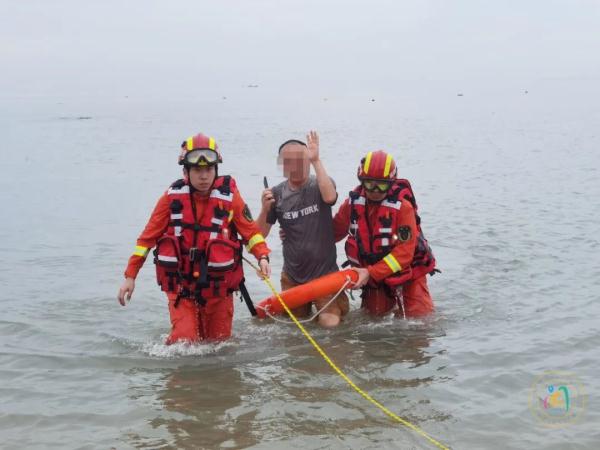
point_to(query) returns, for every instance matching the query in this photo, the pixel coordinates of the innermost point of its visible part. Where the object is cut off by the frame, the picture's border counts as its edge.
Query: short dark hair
(290, 141)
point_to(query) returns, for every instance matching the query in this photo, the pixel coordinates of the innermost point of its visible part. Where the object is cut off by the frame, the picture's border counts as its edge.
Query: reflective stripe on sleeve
(256, 239)
(141, 251)
(392, 263)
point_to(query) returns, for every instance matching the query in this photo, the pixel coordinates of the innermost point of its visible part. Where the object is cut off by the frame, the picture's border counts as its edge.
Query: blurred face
(296, 166)
(202, 177)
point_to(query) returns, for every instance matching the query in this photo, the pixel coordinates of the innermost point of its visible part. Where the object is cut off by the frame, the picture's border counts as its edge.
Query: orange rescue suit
(376, 297)
(191, 321)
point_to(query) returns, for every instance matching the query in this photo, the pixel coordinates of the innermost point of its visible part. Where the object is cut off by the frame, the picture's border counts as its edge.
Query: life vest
(366, 246)
(200, 257)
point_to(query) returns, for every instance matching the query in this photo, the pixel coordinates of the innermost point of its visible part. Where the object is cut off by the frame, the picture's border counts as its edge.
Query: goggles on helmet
(200, 157)
(376, 185)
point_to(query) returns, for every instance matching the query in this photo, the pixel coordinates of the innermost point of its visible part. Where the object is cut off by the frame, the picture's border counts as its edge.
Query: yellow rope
(342, 374)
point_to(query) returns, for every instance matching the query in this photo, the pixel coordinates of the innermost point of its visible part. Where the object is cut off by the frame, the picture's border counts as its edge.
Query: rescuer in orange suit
(194, 228)
(385, 242)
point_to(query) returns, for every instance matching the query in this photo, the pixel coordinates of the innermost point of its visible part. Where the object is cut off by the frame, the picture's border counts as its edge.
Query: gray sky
(118, 47)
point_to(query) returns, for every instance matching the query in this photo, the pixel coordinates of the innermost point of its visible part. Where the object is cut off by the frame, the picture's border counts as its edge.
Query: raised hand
(312, 142)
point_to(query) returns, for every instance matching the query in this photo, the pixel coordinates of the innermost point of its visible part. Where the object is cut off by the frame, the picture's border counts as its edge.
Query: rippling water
(508, 189)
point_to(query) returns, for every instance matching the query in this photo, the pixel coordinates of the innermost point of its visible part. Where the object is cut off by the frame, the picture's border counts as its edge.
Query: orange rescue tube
(299, 295)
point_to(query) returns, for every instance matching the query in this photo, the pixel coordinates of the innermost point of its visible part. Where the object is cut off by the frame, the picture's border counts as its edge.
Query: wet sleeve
(245, 225)
(402, 254)
(341, 221)
(157, 226)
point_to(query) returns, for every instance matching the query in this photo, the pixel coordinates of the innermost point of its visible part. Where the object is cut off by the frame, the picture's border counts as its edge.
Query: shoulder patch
(246, 213)
(404, 233)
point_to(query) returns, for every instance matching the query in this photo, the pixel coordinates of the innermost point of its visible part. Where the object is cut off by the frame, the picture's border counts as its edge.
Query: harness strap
(246, 296)
(177, 299)
(225, 188)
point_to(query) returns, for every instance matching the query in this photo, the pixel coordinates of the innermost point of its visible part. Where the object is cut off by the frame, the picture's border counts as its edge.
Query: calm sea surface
(509, 193)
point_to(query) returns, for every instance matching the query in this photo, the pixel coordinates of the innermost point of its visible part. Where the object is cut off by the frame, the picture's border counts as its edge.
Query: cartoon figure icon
(557, 398)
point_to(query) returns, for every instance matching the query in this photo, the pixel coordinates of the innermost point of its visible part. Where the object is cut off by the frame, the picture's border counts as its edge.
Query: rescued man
(302, 206)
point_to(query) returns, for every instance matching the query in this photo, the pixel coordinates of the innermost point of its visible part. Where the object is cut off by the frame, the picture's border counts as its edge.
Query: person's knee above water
(195, 227)
(385, 241)
(302, 206)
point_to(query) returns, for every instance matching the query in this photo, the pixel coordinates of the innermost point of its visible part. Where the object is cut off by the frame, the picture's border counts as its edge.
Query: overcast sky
(133, 47)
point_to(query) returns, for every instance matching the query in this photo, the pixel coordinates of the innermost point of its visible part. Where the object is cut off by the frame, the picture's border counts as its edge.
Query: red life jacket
(366, 246)
(200, 257)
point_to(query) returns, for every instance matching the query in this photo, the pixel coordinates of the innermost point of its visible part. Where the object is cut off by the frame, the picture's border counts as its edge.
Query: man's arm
(155, 228)
(341, 221)
(256, 244)
(264, 219)
(248, 228)
(326, 186)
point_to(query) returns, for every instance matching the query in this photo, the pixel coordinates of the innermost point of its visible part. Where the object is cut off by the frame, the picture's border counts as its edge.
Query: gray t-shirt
(308, 248)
